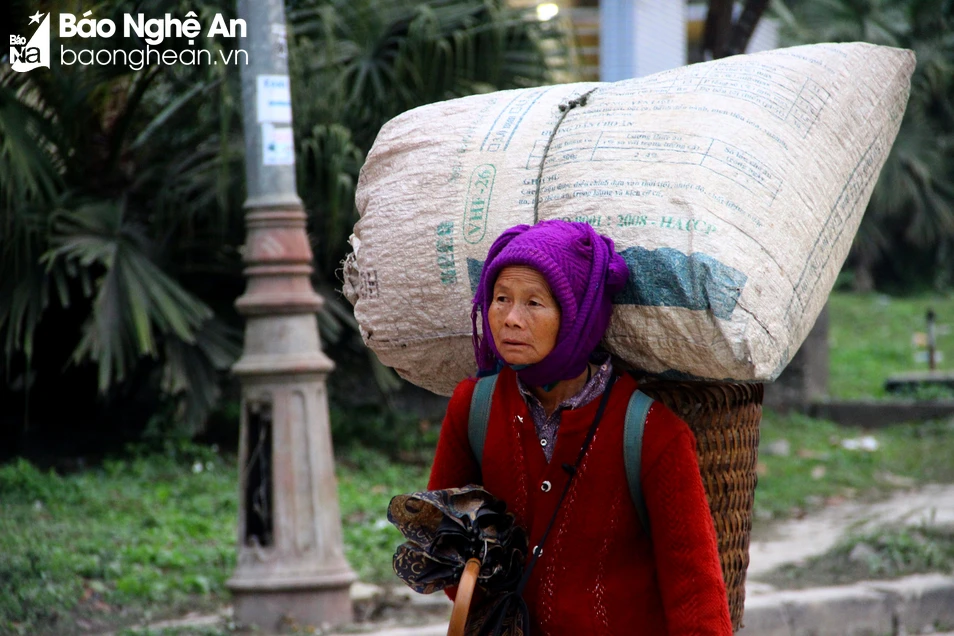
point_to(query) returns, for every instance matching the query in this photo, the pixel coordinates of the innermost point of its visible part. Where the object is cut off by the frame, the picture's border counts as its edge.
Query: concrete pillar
(805, 379)
(291, 567)
(291, 564)
(641, 37)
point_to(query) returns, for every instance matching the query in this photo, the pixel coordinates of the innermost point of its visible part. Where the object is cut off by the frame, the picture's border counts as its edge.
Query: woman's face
(524, 317)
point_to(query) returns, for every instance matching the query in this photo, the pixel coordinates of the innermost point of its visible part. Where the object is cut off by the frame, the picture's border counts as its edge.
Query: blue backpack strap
(636, 413)
(480, 415)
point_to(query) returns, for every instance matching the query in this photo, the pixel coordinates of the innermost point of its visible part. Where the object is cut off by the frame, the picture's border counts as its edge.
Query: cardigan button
(543, 442)
(545, 486)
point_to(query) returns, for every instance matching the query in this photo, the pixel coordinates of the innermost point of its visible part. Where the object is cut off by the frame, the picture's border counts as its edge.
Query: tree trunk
(743, 29)
(715, 38)
(722, 36)
(864, 277)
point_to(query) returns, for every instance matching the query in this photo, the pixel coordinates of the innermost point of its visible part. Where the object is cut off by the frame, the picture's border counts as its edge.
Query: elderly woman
(557, 414)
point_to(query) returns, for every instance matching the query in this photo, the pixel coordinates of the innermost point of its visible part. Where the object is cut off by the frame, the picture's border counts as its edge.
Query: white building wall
(660, 36)
(641, 37)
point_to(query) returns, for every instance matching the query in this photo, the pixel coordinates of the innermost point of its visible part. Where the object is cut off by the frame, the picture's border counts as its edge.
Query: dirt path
(777, 543)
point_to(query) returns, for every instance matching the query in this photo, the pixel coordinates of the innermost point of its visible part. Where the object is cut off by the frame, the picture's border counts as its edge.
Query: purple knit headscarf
(583, 271)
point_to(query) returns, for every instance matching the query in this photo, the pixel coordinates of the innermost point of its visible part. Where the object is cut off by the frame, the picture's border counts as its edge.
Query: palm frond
(135, 301)
(28, 169)
(192, 371)
(329, 160)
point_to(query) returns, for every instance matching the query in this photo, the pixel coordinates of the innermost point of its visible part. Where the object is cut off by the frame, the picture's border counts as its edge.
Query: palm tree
(907, 233)
(109, 177)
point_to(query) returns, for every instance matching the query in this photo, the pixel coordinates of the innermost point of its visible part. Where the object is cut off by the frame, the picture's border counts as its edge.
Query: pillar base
(318, 607)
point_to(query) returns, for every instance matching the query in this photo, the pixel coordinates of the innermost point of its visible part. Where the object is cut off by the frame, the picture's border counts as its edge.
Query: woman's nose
(515, 317)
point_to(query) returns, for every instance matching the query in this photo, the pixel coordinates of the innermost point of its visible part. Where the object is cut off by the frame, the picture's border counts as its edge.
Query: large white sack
(733, 188)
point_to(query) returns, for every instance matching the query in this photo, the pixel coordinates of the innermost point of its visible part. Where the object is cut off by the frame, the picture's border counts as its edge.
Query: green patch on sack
(445, 253)
(477, 206)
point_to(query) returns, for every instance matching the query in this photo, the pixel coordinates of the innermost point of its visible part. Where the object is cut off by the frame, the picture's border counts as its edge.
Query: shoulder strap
(480, 415)
(634, 426)
(636, 413)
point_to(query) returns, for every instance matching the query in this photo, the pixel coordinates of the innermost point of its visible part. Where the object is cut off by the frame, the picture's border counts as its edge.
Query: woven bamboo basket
(725, 420)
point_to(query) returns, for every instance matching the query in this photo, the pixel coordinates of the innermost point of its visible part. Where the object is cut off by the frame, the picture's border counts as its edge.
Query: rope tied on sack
(564, 111)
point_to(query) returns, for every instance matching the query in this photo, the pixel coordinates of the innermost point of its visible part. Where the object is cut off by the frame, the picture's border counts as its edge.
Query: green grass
(870, 338)
(886, 553)
(152, 537)
(818, 468)
(366, 483)
(106, 546)
(223, 630)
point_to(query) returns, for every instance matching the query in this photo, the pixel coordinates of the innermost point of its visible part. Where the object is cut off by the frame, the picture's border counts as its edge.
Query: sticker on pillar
(273, 99)
(278, 145)
(280, 41)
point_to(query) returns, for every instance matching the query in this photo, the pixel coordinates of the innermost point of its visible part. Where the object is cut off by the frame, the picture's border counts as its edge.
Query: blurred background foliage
(121, 197)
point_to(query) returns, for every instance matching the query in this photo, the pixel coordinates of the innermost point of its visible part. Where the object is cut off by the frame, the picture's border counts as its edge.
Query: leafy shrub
(398, 435)
(22, 482)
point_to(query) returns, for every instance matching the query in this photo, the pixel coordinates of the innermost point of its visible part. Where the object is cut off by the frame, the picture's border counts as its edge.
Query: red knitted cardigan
(601, 572)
